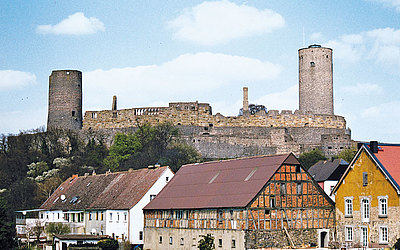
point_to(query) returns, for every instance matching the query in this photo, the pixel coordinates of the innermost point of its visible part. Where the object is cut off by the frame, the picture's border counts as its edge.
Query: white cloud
(284, 100)
(381, 45)
(10, 79)
(363, 89)
(348, 47)
(189, 75)
(211, 23)
(380, 122)
(390, 3)
(316, 37)
(76, 24)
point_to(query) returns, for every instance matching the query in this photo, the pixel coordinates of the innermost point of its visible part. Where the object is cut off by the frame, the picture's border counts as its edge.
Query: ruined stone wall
(203, 117)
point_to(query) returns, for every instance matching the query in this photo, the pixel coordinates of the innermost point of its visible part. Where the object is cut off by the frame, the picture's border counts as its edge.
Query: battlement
(200, 114)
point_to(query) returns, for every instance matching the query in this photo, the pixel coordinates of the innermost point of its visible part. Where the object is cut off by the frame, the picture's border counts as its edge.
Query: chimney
(114, 103)
(74, 176)
(245, 101)
(94, 172)
(373, 146)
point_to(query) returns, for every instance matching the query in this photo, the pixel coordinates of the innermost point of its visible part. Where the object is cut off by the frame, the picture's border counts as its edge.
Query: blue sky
(149, 53)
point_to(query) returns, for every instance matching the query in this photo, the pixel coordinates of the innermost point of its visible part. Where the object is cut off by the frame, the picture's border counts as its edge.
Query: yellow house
(368, 198)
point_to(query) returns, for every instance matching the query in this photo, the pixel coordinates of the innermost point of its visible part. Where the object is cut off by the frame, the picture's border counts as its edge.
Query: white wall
(136, 217)
(117, 224)
(328, 185)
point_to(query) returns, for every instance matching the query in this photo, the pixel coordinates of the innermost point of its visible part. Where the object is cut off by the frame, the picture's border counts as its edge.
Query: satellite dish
(62, 197)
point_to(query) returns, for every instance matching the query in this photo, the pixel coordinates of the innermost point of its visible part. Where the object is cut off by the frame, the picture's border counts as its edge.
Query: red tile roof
(120, 190)
(389, 157)
(229, 183)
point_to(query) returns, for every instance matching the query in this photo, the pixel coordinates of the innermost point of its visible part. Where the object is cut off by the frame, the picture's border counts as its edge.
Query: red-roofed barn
(266, 201)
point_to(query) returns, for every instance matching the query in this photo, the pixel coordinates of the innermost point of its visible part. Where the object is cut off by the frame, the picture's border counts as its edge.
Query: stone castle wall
(217, 136)
(196, 115)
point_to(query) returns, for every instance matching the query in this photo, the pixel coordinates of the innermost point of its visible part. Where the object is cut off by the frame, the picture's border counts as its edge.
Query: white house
(107, 204)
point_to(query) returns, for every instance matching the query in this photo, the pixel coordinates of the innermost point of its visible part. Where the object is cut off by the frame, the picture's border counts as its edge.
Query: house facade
(367, 198)
(108, 204)
(327, 174)
(257, 202)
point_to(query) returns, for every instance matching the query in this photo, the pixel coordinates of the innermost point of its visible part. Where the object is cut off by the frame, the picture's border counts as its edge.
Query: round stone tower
(65, 99)
(316, 80)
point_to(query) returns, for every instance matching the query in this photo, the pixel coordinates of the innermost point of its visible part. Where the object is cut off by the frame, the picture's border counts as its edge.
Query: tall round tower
(316, 80)
(65, 99)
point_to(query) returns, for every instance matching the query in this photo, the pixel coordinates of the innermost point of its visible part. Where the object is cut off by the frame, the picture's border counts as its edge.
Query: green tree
(308, 159)
(7, 227)
(57, 228)
(347, 154)
(124, 146)
(206, 243)
(178, 154)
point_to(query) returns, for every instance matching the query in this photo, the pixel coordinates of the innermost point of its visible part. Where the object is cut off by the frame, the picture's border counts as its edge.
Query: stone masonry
(314, 125)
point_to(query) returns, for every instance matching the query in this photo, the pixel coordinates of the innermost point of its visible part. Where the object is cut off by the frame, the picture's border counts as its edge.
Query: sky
(150, 53)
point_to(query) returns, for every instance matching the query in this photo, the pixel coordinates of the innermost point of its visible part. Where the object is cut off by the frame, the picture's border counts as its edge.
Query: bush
(108, 244)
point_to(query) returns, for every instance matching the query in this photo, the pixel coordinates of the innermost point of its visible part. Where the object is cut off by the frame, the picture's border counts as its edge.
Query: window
(160, 240)
(110, 216)
(182, 241)
(272, 201)
(125, 216)
(233, 243)
(90, 216)
(364, 236)
(348, 207)
(179, 214)
(383, 235)
(365, 179)
(140, 235)
(219, 242)
(97, 215)
(152, 196)
(365, 210)
(382, 206)
(299, 188)
(298, 169)
(167, 179)
(73, 112)
(170, 240)
(283, 188)
(102, 216)
(220, 216)
(349, 233)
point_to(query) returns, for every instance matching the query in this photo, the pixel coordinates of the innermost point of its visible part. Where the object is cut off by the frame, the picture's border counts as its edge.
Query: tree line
(34, 163)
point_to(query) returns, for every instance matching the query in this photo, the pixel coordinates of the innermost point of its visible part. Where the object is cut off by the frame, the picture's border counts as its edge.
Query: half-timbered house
(266, 201)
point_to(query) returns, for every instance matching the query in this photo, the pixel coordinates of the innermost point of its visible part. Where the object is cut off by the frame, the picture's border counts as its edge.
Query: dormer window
(312, 64)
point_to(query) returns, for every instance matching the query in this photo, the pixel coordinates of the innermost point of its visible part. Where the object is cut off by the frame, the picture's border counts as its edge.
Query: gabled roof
(228, 183)
(328, 170)
(387, 160)
(120, 190)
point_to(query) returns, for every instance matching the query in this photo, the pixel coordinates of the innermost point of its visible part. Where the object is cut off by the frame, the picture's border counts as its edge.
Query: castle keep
(255, 131)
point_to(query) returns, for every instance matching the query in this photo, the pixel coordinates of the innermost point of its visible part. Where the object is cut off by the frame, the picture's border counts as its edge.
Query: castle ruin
(255, 131)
